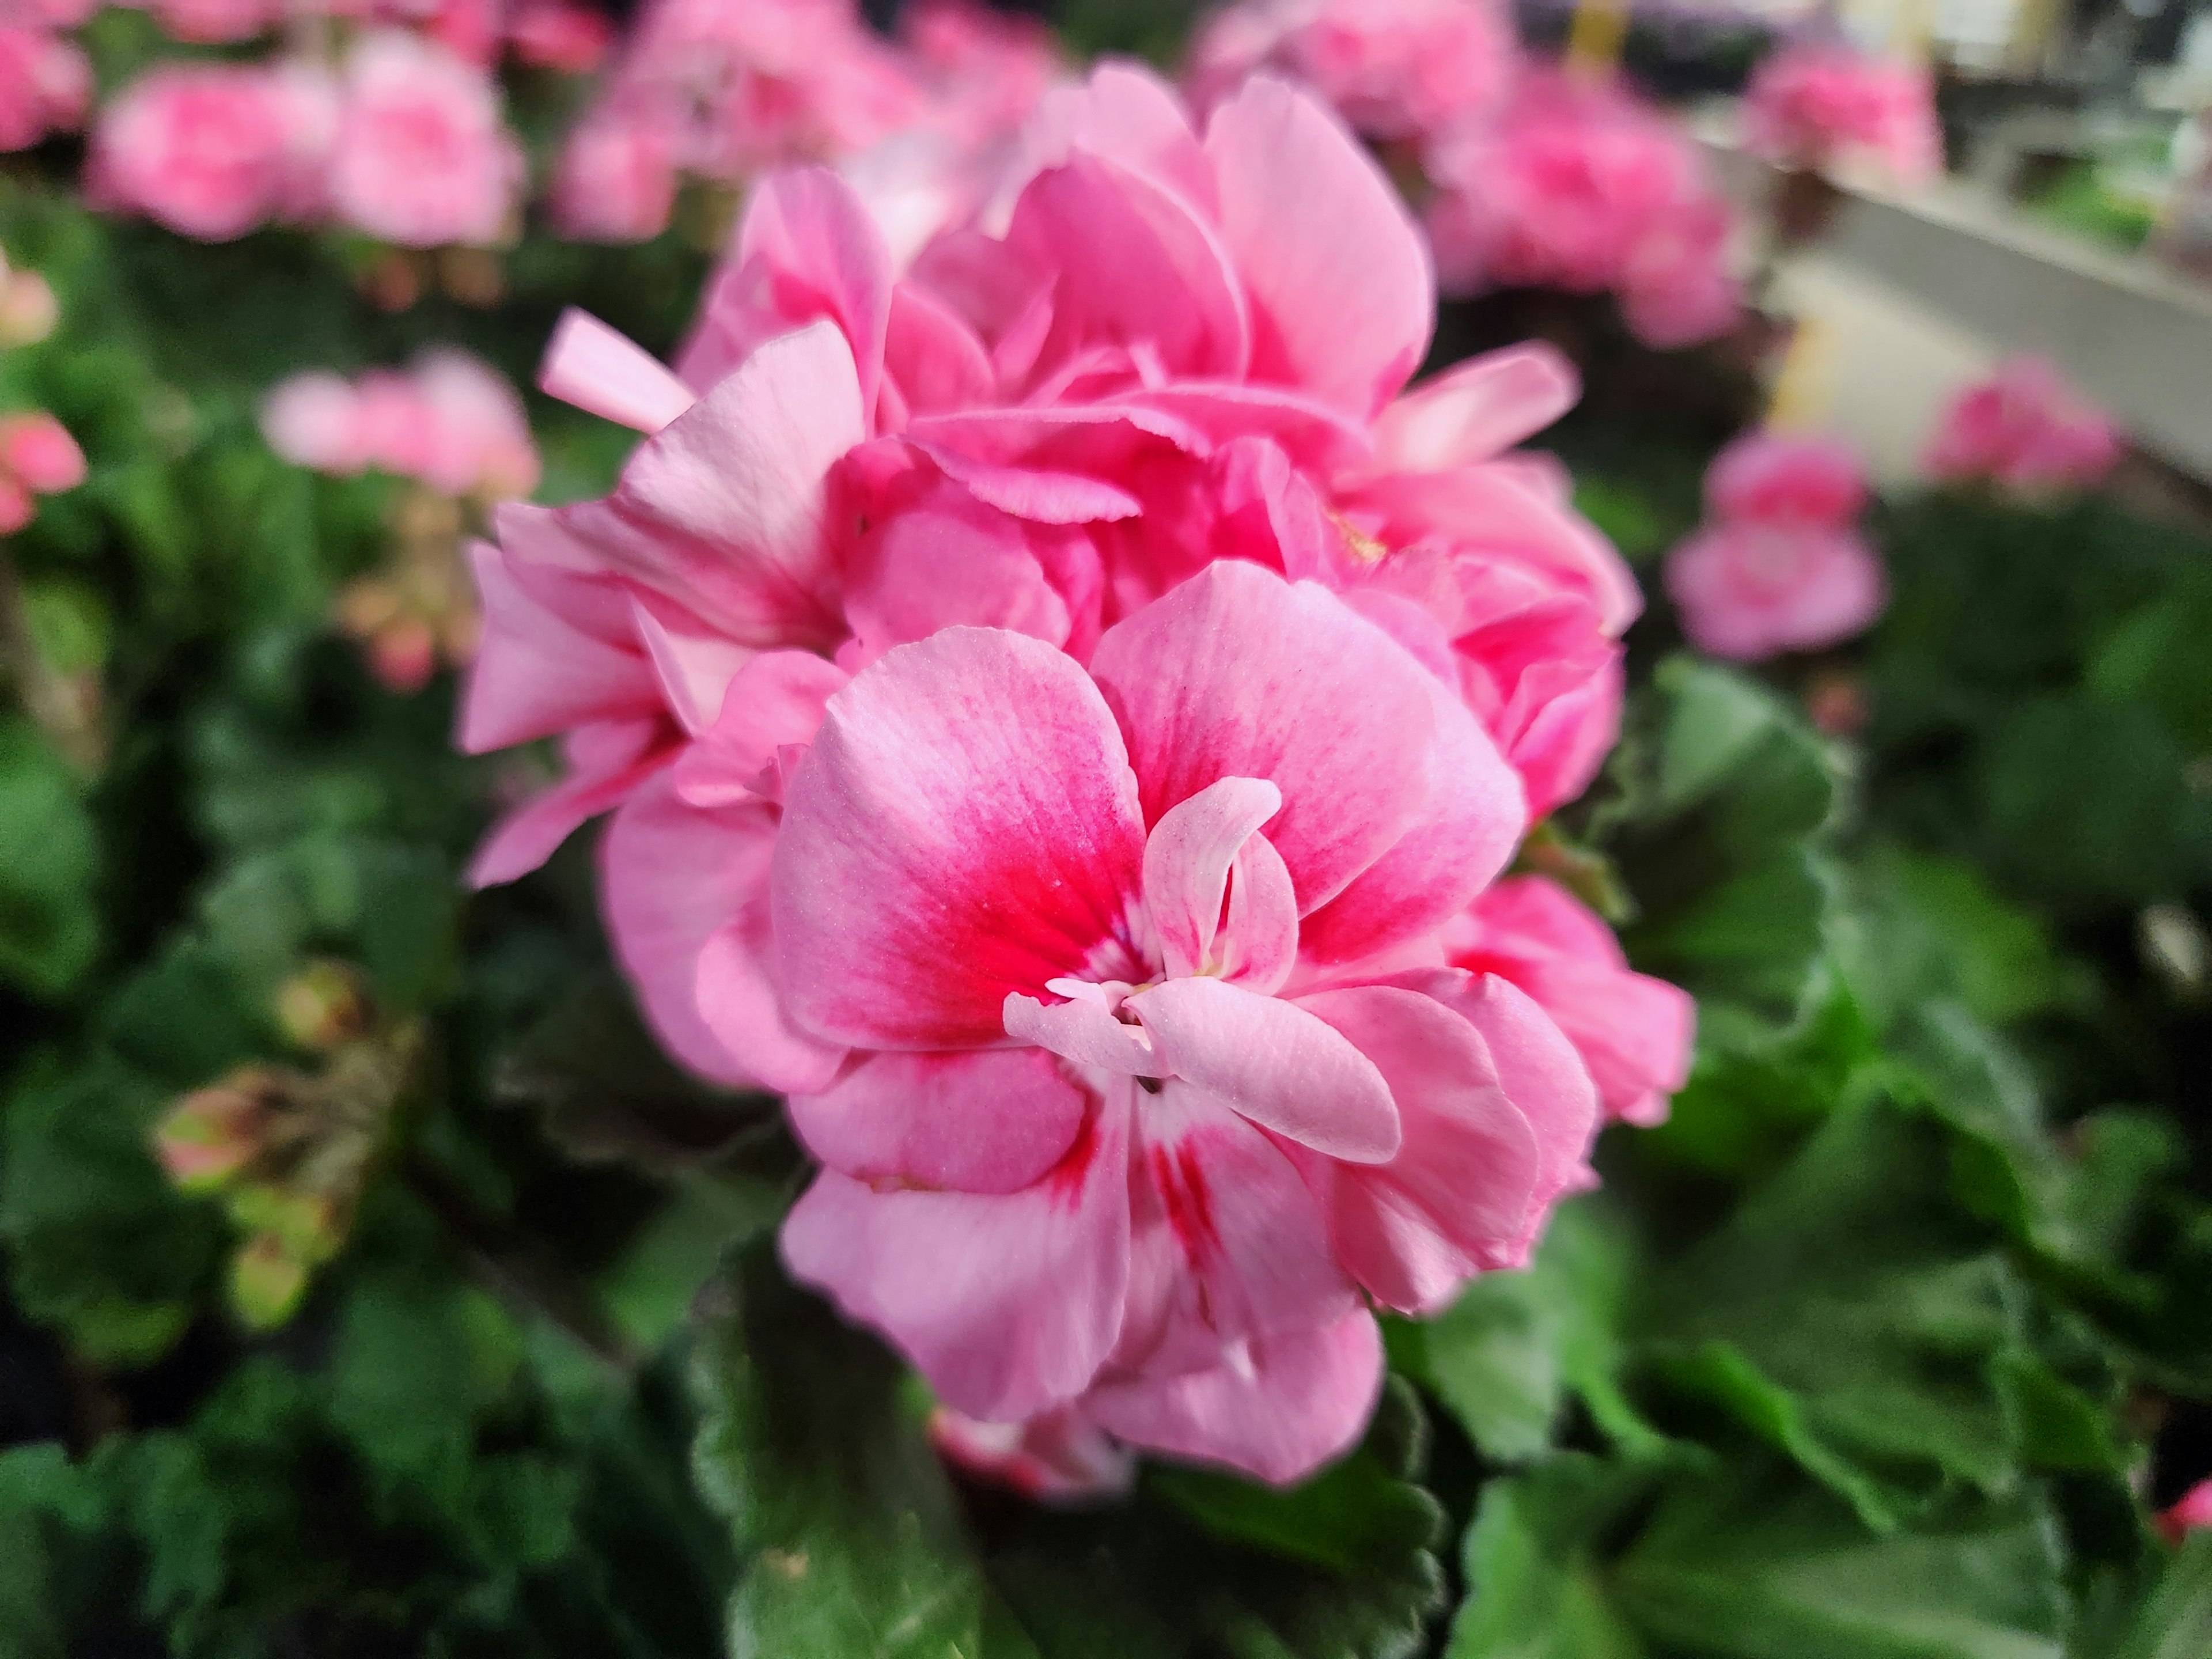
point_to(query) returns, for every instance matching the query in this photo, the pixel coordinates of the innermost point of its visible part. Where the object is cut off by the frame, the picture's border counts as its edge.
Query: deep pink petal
(1339, 276)
(1274, 1062)
(1186, 862)
(775, 700)
(1238, 674)
(1277, 1410)
(932, 356)
(1476, 410)
(1008, 1304)
(991, 1122)
(964, 826)
(946, 560)
(606, 373)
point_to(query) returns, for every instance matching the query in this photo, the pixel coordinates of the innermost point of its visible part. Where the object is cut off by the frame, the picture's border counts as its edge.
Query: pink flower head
(558, 34)
(1780, 564)
(1104, 974)
(1392, 69)
(450, 420)
(2192, 1512)
(1814, 103)
(38, 457)
(314, 420)
(210, 21)
(2026, 430)
(1632, 1031)
(46, 85)
(982, 71)
(209, 150)
(1580, 185)
(616, 180)
(422, 156)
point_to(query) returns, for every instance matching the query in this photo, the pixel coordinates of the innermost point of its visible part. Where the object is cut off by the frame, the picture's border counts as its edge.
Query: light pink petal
(623, 756)
(964, 826)
(1342, 291)
(669, 877)
(1259, 943)
(775, 700)
(991, 1122)
(1458, 1194)
(1476, 410)
(1274, 1062)
(1084, 1031)
(735, 989)
(1276, 1410)
(1059, 1457)
(1040, 494)
(693, 665)
(1464, 836)
(1126, 114)
(1238, 674)
(1008, 1305)
(592, 366)
(535, 672)
(1186, 862)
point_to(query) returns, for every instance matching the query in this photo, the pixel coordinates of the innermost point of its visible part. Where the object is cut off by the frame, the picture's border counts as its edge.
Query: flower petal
(606, 762)
(1187, 862)
(606, 373)
(1476, 410)
(773, 700)
(1082, 1031)
(1008, 1304)
(993, 1120)
(964, 826)
(537, 673)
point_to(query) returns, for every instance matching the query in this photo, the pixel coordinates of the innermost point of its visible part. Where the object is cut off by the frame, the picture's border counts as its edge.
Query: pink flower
(1392, 69)
(2192, 1512)
(314, 420)
(1780, 564)
(1219, 1123)
(216, 20)
(557, 35)
(1579, 185)
(450, 422)
(46, 85)
(38, 457)
(422, 157)
(1813, 104)
(477, 439)
(616, 181)
(1632, 1032)
(209, 150)
(2025, 429)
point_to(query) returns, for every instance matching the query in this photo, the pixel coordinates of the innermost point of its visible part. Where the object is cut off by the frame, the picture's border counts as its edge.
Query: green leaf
(2175, 1621)
(1535, 1587)
(850, 1543)
(49, 862)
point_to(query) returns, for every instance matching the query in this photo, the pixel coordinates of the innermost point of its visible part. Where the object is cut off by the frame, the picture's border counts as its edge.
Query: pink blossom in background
(216, 20)
(1632, 1031)
(38, 457)
(615, 180)
(46, 85)
(2192, 1512)
(449, 421)
(1392, 69)
(1780, 564)
(422, 156)
(2026, 430)
(1580, 185)
(209, 150)
(558, 34)
(1815, 103)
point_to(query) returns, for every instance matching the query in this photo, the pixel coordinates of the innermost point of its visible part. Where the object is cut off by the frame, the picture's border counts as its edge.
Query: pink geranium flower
(1632, 1032)
(1579, 185)
(211, 150)
(1780, 564)
(1814, 103)
(422, 157)
(449, 420)
(2026, 430)
(616, 180)
(38, 457)
(216, 20)
(46, 85)
(2192, 1512)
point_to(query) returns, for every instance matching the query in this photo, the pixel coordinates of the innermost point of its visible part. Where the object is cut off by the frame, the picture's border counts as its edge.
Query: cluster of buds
(418, 609)
(290, 1151)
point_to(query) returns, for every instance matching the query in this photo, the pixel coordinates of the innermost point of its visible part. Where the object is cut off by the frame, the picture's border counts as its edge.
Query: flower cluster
(449, 421)
(1780, 564)
(2025, 429)
(1815, 103)
(557, 35)
(1063, 708)
(45, 81)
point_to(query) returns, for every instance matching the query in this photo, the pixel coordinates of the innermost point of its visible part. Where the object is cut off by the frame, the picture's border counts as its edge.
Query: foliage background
(1885, 1347)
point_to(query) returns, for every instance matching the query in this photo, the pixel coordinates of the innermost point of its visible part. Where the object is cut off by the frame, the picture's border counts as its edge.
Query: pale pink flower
(422, 156)
(1780, 565)
(1394, 68)
(2026, 430)
(314, 420)
(449, 420)
(478, 438)
(1632, 1032)
(615, 179)
(46, 85)
(2192, 1512)
(38, 457)
(1580, 185)
(1814, 103)
(211, 150)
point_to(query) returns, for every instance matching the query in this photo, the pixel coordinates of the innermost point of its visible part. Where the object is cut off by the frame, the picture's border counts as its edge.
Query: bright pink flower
(46, 85)
(1780, 564)
(1580, 185)
(1220, 1122)
(616, 180)
(1632, 1031)
(422, 156)
(2192, 1512)
(982, 71)
(207, 150)
(2025, 429)
(38, 457)
(1815, 103)
(1394, 68)
(557, 35)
